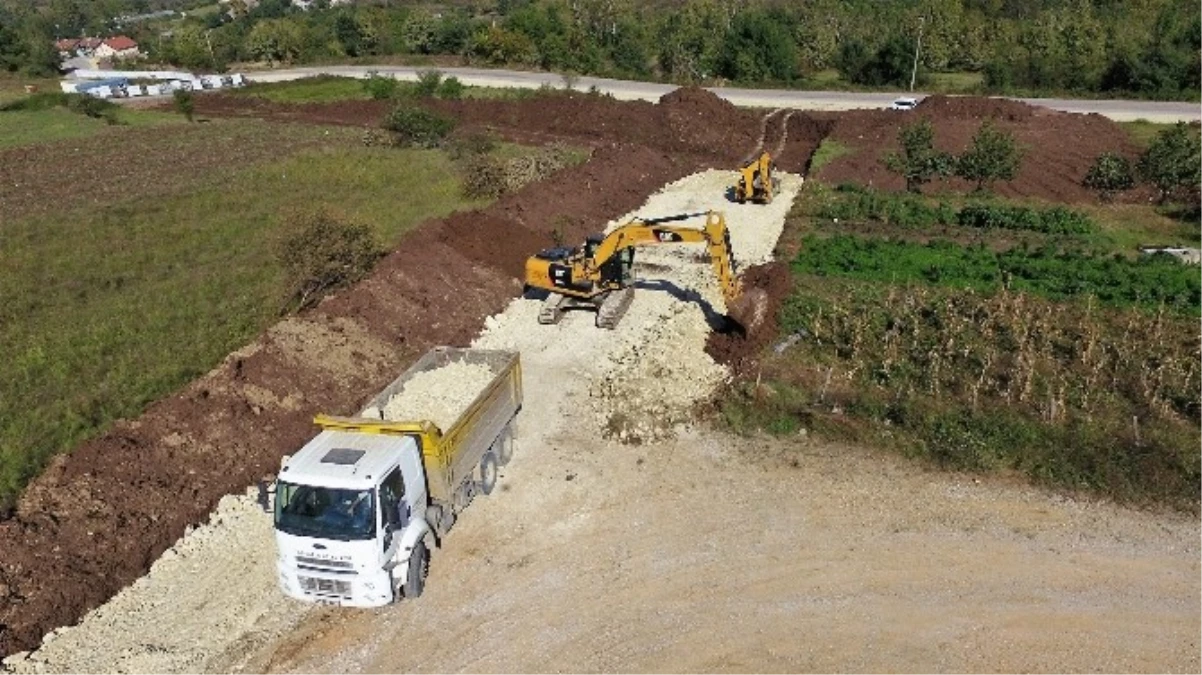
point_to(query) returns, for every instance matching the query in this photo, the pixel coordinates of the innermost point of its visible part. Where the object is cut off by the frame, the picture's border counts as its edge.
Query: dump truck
(359, 507)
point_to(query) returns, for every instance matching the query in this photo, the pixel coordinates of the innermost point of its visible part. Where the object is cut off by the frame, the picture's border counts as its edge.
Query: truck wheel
(503, 447)
(419, 566)
(488, 472)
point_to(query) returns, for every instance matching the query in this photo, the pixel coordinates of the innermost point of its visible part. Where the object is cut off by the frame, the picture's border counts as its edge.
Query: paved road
(773, 98)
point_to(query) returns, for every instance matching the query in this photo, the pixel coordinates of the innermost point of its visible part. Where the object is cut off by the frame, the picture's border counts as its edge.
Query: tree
(276, 40)
(321, 251)
(889, 65)
(918, 162)
(993, 156)
(1171, 162)
(1110, 173)
(758, 47)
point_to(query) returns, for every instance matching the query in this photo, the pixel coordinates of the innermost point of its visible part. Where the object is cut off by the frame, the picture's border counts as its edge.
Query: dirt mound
(1058, 148)
(95, 520)
(940, 107)
(687, 121)
(771, 281)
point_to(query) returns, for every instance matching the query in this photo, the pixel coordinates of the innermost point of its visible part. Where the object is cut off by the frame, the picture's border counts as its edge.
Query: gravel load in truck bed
(439, 395)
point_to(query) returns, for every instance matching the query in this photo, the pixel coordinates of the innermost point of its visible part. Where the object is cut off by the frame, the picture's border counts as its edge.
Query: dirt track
(721, 554)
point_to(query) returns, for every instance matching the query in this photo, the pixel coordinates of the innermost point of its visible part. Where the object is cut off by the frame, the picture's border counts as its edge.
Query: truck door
(414, 474)
(394, 514)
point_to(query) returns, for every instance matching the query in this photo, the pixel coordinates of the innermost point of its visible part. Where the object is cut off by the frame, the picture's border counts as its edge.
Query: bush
(1171, 162)
(855, 204)
(321, 251)
(380, 87)
(43, 100)
(478, 143)
(428, 82)
(88, 105)
(1110, 173)
(993, 156)
(483, 177)
(1056, 220)
(918, 162)
(418, 126)
(451, 88)
(184, 103)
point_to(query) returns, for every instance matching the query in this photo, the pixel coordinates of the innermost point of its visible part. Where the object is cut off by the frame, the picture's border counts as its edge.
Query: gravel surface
(214, 591)
(438, 395)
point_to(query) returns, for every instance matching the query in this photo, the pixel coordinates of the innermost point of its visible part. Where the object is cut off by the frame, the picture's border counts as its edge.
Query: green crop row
(855, 204)
(1149, 281)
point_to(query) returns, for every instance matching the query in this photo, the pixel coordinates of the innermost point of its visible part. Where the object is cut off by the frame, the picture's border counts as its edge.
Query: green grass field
(26, 127)
(320, 89)
(111, 307)
(828, 151)
(329, 88)
(1142, 132)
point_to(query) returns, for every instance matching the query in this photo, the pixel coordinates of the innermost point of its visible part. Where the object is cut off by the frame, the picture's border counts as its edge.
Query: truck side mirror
(264, 498)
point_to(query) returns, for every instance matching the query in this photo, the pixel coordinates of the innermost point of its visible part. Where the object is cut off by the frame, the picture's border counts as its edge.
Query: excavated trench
(97, 518)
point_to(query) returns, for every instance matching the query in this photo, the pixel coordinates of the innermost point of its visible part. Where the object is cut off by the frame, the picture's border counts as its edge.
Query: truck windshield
(327, 513)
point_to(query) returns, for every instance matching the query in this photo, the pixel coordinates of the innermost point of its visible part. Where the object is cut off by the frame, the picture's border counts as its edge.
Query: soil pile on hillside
(976, 108)
(688, 121)
(1058, 148)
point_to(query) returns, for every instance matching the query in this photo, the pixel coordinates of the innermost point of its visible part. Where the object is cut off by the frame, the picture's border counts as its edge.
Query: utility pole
(917, 46)
(213, 59)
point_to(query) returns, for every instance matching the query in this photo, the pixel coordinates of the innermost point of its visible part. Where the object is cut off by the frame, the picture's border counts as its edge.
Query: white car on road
(904, 103)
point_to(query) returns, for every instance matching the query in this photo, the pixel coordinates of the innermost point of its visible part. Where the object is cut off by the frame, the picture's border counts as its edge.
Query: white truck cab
(350, 519)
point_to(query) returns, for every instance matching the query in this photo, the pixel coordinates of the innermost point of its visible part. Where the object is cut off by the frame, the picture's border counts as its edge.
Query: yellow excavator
(757, 181)
(599, 275)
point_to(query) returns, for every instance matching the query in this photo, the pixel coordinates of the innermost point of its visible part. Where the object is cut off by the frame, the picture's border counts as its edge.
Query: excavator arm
(715, 236)
(597, 274)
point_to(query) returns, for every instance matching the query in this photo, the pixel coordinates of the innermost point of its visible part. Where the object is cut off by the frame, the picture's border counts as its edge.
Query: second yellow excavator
(599, 274)
(757, 181)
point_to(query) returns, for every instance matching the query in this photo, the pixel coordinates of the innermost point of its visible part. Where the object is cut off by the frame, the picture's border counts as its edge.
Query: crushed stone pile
(439, 395)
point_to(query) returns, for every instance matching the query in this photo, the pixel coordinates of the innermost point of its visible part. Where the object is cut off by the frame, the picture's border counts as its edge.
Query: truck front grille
(326, 588)
(322, 565)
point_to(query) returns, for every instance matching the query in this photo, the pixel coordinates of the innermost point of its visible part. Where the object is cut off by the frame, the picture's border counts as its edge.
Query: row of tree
(993, 155)
(1149, 48)
(1169, 164)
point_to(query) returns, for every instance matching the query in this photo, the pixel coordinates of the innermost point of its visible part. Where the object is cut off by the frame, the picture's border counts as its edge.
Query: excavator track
(614, 307)
(552, 310)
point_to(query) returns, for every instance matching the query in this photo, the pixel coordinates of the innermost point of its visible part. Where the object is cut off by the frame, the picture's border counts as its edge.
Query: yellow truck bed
(450, 455)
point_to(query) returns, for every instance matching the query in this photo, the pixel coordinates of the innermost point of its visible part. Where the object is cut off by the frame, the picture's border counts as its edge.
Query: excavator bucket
(747, 312)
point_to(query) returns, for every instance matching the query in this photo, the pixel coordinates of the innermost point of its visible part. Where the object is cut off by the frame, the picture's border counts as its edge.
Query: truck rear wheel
(503, 447)
(488, 472)
(419, 566)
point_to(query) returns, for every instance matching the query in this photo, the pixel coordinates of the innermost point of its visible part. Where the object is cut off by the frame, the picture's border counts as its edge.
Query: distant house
(87, 46)
(120, 47)
(66, 47)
